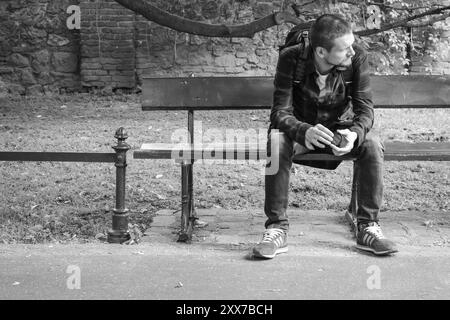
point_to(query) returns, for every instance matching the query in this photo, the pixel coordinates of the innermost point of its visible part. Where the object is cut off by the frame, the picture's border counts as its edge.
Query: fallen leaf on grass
(83, 193)
(418, 168)
(179, 285)
(200, 223)
(159, 176)
(61, 200)
(428, 223)
(160, 197)
(274, 290)
(128, 242)
(100, 236)
(16, 283)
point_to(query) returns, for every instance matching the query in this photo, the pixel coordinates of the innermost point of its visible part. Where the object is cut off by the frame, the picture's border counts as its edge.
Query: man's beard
(344, 63)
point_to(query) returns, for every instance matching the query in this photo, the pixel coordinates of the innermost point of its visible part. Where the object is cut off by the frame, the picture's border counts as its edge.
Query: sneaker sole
(278, 251)
(378, 253)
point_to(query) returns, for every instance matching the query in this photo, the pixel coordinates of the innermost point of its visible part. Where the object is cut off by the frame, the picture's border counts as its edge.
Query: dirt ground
(72, 202)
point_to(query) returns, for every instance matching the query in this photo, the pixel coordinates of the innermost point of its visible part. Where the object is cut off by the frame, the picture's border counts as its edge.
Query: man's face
(342, 52)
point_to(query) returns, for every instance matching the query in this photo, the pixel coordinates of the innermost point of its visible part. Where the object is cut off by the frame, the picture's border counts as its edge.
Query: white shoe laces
(270, 234)
(375, 229)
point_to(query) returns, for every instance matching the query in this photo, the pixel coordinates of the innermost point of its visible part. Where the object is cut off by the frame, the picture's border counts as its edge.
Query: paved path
(322, 262)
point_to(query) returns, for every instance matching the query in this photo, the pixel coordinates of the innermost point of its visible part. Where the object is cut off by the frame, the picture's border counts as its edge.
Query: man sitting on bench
(327, 108)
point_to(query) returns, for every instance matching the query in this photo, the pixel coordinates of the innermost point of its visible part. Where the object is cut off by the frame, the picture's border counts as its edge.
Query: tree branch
(359, 3)
(174, 22)
(402, 8)
(401, 23)
(248, 30)
(428, 22)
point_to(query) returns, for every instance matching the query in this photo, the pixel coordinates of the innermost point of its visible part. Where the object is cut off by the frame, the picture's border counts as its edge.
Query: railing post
(119, 232)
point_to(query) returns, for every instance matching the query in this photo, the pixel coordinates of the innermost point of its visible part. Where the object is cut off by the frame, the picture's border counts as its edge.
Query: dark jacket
(296, 109)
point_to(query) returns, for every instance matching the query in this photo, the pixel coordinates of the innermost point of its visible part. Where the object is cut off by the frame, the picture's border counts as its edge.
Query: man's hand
(347, 144)
(318, 136)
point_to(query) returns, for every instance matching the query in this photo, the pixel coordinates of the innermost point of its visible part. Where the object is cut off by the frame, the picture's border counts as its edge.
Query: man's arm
(361, 98)
(281, 115)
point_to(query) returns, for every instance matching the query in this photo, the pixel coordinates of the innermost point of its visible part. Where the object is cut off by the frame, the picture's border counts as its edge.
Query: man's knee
(279, 153)
(372, 147)
(278, 142)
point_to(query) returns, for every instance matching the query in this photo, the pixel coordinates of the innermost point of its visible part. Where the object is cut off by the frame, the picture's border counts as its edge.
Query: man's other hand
(318, 136)
(348, 141)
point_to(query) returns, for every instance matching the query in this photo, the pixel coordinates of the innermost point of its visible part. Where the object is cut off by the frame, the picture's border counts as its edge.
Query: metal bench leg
(351, 214)
(187, 216)
(191, 192)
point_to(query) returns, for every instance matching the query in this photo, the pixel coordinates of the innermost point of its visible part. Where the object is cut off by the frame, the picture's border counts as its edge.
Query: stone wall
(107, 45)
(38, 53)
(161, 51)
(116, 48)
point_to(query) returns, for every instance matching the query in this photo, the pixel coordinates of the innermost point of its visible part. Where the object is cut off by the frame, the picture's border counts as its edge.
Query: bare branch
(401, 23)
(402, 8)
(166, 19)
(428, 22)
(248, 30)
(359, 3)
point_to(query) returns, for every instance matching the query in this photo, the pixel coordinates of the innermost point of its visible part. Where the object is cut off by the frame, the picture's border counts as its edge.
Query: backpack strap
(299, 72)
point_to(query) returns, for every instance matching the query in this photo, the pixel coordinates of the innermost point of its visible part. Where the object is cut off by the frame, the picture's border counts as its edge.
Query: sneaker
(370, 238)
(274, 241)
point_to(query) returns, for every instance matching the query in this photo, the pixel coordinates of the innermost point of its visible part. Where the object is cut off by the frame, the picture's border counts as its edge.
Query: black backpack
(298, 36)
(295, 36)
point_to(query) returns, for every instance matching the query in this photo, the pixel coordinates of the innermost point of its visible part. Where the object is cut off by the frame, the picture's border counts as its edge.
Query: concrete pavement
(322, 262)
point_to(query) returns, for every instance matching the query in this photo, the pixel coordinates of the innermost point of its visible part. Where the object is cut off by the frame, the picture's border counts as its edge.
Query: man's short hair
(326, 29)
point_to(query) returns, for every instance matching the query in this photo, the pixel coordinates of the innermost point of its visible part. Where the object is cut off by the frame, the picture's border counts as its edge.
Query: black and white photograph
(225, 158)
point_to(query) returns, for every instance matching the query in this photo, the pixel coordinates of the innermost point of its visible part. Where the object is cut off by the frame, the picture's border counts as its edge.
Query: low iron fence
(119, 232)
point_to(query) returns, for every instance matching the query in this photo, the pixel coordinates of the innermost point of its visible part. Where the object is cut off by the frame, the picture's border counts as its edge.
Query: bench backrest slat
(210, 93)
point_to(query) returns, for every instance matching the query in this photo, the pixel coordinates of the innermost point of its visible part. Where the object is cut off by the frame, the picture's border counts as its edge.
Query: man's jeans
(368, 175)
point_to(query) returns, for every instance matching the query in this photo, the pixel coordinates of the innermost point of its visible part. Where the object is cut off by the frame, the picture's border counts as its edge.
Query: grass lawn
(66, 202)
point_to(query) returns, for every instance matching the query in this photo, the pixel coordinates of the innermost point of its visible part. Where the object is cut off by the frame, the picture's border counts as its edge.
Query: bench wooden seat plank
(395, 151)
(219, 93)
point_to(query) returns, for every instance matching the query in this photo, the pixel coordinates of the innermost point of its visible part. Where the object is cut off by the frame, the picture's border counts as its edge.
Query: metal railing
(119, 232)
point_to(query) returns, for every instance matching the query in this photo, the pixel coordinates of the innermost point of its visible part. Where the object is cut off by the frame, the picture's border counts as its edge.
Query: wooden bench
(237, 93)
